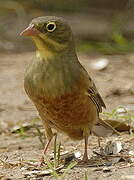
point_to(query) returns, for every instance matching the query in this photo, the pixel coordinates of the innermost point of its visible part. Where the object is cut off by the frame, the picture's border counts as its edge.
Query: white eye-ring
(51, 26)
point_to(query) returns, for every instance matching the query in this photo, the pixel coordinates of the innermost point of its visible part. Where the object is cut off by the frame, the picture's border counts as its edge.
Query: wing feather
(95, 96)
(92, 91)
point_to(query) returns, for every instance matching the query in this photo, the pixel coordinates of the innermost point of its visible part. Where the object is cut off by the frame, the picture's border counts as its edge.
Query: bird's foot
(84, 161)
(41, 161)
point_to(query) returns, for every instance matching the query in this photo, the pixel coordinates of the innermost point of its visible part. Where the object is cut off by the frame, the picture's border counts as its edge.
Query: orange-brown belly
(69, 114)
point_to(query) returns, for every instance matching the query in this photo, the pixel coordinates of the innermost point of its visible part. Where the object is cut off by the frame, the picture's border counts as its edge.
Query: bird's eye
(51, 26)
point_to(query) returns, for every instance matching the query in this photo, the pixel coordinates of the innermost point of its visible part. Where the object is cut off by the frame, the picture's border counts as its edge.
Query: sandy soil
(115, 84)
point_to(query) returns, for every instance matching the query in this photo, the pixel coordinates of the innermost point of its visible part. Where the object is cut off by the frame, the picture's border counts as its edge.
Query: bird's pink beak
(30, 31)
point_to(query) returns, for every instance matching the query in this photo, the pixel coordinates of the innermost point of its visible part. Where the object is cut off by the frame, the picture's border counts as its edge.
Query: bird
(62, 91)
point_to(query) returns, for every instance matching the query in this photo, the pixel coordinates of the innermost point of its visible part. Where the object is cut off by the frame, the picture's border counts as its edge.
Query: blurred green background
(105, 26)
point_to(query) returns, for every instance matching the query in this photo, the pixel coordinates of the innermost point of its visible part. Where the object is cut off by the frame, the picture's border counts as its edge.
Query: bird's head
(50, 33)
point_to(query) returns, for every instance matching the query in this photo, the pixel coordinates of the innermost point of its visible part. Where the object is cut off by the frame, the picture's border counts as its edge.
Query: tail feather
(103, 129)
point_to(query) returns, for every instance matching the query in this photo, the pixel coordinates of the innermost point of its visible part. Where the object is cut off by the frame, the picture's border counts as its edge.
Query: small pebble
(106, 169)
(99, 64)
(131, 159)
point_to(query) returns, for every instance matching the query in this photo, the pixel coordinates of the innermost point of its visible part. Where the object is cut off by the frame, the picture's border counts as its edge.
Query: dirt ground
(115, 84)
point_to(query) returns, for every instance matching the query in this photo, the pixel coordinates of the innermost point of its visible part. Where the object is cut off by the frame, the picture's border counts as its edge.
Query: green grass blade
(54, 173)
(70, 166)
(55, 151)
(58, 155)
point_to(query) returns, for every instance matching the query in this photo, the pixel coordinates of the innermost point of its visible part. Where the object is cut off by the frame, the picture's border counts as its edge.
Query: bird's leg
(85, 156)
(47, 145)
(45, 148)
(49, 135)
